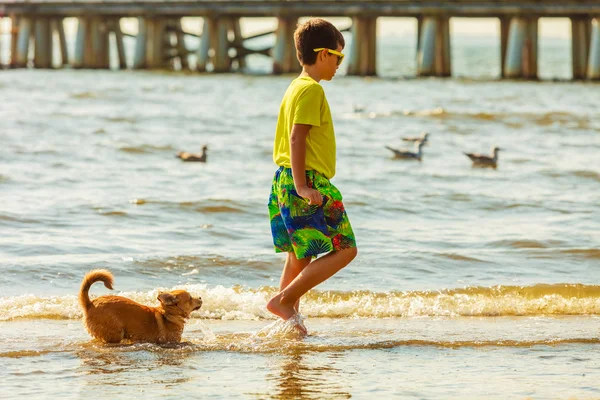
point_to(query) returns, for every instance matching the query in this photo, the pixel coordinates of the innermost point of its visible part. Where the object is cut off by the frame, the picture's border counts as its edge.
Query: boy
(306, 210)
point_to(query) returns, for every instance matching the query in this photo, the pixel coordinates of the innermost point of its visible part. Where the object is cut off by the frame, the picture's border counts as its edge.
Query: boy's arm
(298, 159)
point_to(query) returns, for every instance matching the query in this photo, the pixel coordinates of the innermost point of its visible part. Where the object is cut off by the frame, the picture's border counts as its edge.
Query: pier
(160, 44)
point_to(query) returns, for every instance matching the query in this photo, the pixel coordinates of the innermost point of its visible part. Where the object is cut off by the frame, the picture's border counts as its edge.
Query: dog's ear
(167, 299)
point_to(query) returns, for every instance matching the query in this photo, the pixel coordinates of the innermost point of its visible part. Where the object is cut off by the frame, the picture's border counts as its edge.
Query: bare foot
(282, 310)
(287, 312)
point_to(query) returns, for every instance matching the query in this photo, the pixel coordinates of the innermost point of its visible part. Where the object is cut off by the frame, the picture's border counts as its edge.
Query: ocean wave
(205, 261)
(9, 218)
(204, 206)
(585, 253)
(120, 118)
(458, 257)
(113, 213)
(37, 151)
(523, 244)
(145, 148)
(238, 303)
(512, 119)
(580, 253)
(493, 205)
(275, 346)
(586, 174)
(84, 95)
(593, 175)
(435, 112)
(26, 353)
(250, 343)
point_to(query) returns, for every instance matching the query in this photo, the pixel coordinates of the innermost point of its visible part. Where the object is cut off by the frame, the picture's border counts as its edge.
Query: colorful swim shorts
(308, 230)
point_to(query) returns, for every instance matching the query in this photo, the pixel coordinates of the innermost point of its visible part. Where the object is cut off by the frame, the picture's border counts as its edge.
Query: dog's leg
(114, 337)
(162, 332)
(105, 327)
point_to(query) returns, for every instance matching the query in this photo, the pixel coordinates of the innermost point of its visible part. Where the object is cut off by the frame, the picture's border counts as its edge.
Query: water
(464, 275)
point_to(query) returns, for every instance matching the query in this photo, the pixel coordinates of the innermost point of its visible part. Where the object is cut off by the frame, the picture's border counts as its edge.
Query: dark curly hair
(313, 34)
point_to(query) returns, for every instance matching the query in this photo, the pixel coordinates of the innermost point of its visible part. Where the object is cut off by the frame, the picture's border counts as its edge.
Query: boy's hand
(313, 196)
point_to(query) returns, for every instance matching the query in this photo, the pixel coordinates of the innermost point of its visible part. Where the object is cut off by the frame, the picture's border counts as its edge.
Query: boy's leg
(293, 266)
(282, 304)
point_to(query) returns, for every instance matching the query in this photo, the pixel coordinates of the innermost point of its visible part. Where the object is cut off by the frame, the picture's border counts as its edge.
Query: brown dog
(114, 318)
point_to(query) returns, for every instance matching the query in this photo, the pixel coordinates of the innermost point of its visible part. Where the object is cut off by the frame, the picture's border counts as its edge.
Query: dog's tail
(89, 278)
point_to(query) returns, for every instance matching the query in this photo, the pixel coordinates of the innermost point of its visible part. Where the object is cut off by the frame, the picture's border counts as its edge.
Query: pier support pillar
(114, 26)
(150, 47)
(419, 27)
(98, 54)
(14, 40)
(43, 43)
(214, 37)
(504, 29)
(202, 55)
(80, 43)
(580, 45)
(593, 68)
(220, 44)
(24, 37)
(444, 56)
(175, 49)
(433, 49)
(521, 51)
(1, 63)
(182, 51)
(58, 26)
(238, 43)
(91, 43)
(363, 51)
(284, 52)
(139, 59)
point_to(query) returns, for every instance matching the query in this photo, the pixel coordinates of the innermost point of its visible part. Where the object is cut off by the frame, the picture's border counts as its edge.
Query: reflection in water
(398, 358)
(138, 365)
(315, 378)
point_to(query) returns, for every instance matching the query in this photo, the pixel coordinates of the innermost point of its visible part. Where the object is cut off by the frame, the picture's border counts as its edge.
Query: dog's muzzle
(199, 305)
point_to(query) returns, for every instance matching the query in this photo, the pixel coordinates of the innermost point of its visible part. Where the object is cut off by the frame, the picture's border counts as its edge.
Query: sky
(476, 27)
(548, 27)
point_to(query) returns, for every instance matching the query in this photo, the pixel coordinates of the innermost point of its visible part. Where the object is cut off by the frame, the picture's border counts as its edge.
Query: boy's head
(317, 33)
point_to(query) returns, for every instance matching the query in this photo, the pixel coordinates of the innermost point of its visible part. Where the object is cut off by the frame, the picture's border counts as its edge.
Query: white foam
(237, 303)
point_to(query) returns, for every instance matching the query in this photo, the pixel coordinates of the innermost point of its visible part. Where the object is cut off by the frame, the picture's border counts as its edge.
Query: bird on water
(185, 156)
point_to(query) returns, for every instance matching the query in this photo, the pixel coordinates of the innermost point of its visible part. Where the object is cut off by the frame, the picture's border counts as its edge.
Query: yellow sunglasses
(339, 55)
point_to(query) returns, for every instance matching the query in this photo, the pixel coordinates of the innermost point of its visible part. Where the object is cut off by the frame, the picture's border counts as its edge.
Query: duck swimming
(185, 156)
(482, 160)
(407, 154)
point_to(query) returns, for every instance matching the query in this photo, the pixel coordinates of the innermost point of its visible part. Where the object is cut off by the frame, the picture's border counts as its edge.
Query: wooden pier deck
(270, 8)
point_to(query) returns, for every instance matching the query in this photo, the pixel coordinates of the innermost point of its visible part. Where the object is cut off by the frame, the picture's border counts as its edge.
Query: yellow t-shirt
(304, 102)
